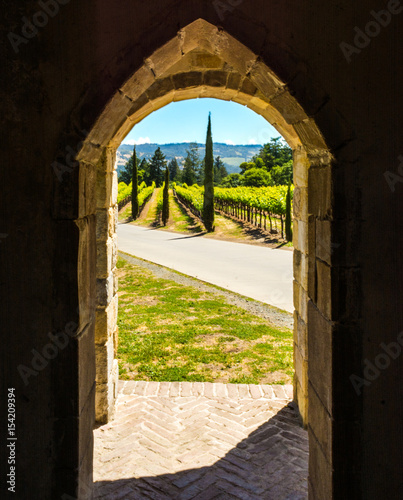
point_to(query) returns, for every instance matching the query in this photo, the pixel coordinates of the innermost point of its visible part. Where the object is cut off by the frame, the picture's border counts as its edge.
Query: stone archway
(204, 61)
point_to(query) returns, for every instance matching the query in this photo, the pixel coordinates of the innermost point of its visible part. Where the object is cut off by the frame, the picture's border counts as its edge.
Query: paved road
(263, 274)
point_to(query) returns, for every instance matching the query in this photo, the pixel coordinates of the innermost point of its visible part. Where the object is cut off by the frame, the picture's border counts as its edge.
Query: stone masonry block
(320, 354)
(320, 192)
(105, 396)
(234, 81)
(105, 257)
(86, 274)
(320, 470)
(301, 398)
(86, 365)
(301, 166)
(183, 95)
(248, 87)
(300, 333)
(301, 268)
(105, 323)
(215, 78)
(289, 108)
(104, 361)
(160, 88)
(138, 83)
(300, 204)
(323, 240)
(204, 60)
(111, 120)
(102, 231)
(324, 290)
(301, 368)
(87, 190)
(105, 290)
(165, 57)
(114, 194)
(236, 55)
(101, 404)
(199, 35)
(104, 188)
(187, 80)
(106, 223)
(310, 136)
(320, 422)
(300, 235)
(265, 80)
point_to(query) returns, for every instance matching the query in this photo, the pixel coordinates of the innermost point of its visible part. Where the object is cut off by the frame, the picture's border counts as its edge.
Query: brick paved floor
(201, 441)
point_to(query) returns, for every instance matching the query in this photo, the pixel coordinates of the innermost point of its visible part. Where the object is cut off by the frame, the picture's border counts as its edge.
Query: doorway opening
(204, 61)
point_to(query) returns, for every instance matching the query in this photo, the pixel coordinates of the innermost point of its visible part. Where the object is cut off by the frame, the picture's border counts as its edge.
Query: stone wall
(341, 115)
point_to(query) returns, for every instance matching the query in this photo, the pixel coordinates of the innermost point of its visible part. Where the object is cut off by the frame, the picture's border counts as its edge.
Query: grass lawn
(172, 332)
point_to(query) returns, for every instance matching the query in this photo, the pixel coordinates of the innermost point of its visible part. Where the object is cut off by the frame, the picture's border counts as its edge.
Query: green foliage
(208, 202)
(144, 171)
(256, 177)
(193, 195)
(275, 157)
(157, 167)
(126, 173)
(270, 199)
(174, 170)
(160, 200)
(220, 172)
(274, 153)
(231, 181)
(165, 202)
(288, 230)
(282, 175)
(192, 165)
(144, 192)
(135, 180)
(124, 191)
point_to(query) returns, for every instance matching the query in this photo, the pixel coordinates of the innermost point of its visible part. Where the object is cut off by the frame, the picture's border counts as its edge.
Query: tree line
(272, 166)
(192, 172)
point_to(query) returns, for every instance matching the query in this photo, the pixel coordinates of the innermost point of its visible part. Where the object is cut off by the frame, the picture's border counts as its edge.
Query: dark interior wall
(53, 89)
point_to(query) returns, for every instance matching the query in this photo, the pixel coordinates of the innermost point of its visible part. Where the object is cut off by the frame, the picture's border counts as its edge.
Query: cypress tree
(288, 230)
(165, 199)
(208, 202)
(157, 167)
(135, 180)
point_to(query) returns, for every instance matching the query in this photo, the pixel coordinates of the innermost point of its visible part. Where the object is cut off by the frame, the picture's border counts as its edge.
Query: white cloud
(252, 141)
(229, 142)
(140, 140)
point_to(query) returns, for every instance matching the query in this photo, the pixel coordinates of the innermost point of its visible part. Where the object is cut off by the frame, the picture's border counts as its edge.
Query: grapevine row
(253, 205)
(192, 197)
(125, 192)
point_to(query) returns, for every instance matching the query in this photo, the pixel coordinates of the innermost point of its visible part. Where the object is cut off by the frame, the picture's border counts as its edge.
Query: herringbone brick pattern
(182, 441)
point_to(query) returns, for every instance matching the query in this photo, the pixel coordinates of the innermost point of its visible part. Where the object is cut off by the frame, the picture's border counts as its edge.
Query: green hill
(232, 155)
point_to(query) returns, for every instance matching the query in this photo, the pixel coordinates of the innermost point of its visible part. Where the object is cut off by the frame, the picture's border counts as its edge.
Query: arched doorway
(204, 61)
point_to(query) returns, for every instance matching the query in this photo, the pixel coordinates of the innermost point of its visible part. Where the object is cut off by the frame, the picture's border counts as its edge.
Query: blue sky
(186, 121)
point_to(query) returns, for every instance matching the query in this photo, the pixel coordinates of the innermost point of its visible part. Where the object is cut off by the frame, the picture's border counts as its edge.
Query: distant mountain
(231, 155)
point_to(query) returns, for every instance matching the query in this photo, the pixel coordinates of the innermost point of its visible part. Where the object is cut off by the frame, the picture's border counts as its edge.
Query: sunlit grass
(171, 332)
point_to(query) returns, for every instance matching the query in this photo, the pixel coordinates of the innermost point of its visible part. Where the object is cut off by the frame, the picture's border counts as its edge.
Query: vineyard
(263, 207)
(125, 194)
